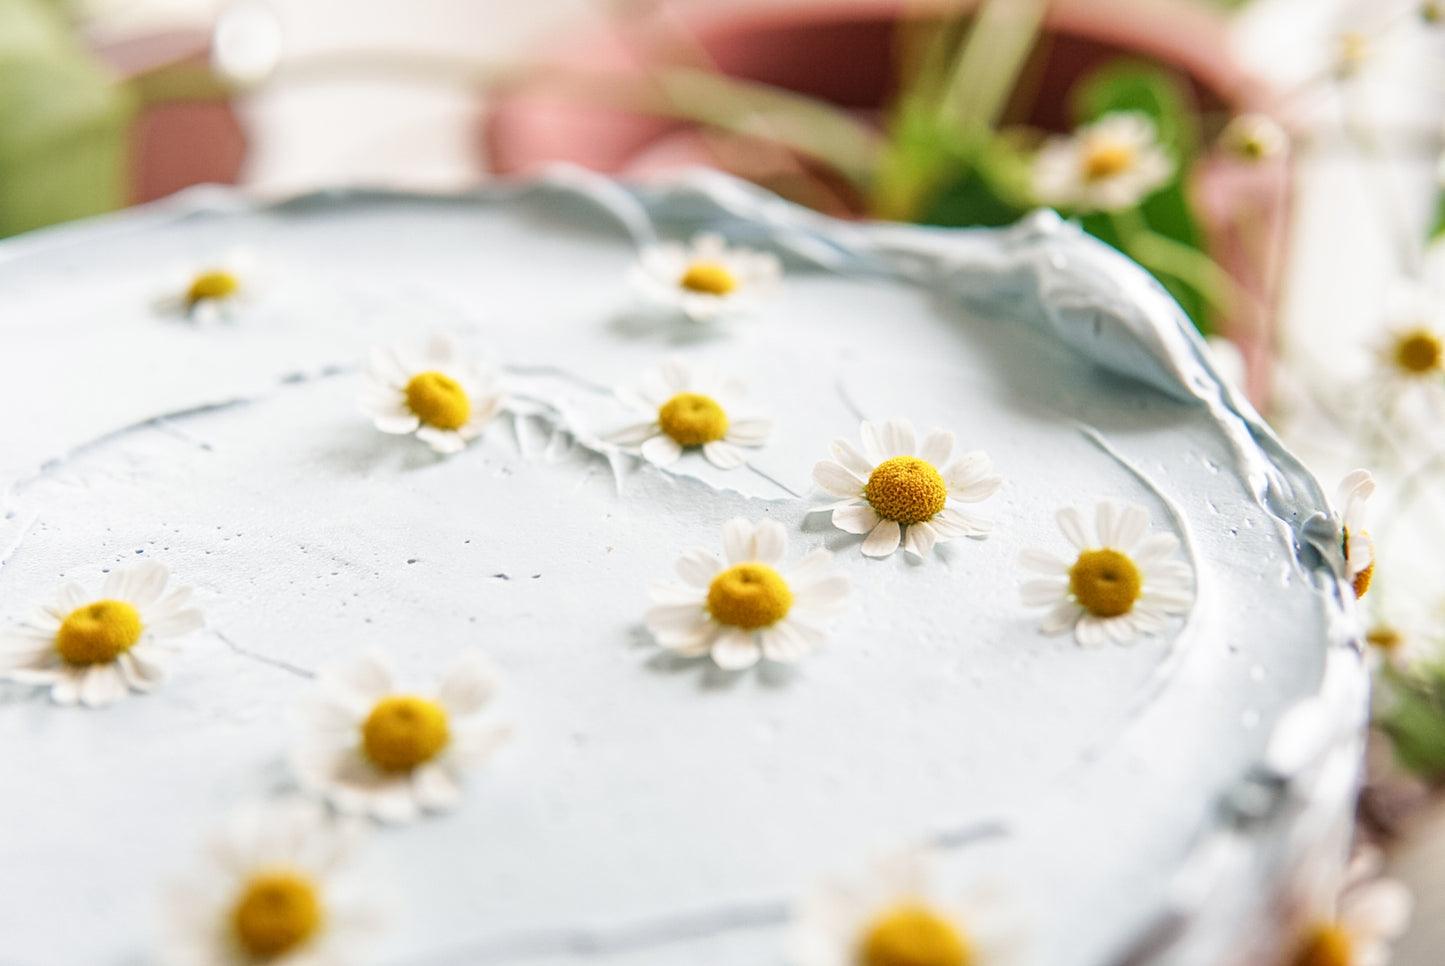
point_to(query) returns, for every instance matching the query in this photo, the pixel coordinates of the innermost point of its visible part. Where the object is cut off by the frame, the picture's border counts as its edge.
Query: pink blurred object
(845, 53)
(181, 142)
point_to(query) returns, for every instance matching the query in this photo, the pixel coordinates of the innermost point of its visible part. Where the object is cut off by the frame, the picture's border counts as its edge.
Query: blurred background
(1275, 163)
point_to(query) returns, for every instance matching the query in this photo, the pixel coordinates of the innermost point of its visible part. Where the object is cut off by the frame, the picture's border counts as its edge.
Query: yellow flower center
(914, 935)
(749, 595)
(1105, 158)
(1326, 946)
(1106, 583)
(692, 420)
(708, 278)
(1419, 352)
(906, 489)
(212, 285)
(438, 400)
(98, 633)
(1362, 579)
(278, 911)
(1385, 638)
(404, 731)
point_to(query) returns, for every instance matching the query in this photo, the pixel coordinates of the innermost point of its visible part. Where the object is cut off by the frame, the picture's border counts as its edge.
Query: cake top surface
(648, 807)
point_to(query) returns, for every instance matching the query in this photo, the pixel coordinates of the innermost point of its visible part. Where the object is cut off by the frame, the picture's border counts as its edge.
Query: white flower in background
(278, 888)
(93, 648)
(692, 408)
(369, 748)
(215, 290)
(1353, 50)
(1368, 914)
(1120, 584)
(1403, 646)
(1412, 356)
(1114, 163)
(902, 491)
(445, 399)
(741, 608)
(1253, 138)
(1359, 550)
(894, 915)
(706, 278)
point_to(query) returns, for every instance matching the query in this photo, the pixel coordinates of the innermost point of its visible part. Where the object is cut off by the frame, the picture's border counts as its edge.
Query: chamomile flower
(1412, 355)
(1253, 138)
(896, 915)
(1359, 549)
(1357, 924)
(369, 748)
(705, 279)
(1114, 163)
(445, 399)
(900, 491)
(692, 409)
(742, 608)
(1122, 582)
(279, 888)
(92, 648)
(215, 290)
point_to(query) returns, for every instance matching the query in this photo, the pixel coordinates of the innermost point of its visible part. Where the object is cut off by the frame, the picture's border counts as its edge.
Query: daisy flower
(1358, 548)
(691, 409)
(741, 608)
(705, 279)
(894, 915)
(213, 291)
(902, 491)
(1411, 360)
(444, 399)
(1253, 138)
(1112, 164)
(278, 888)
(371, 749)
(93, 648)
(1120, 585)
(1367, 914)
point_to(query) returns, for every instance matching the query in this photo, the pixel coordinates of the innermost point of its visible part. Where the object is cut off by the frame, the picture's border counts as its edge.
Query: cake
(660, 767)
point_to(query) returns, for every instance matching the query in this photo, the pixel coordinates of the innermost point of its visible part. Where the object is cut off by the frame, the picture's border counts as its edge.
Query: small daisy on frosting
(902, 491)
(1112, 164)
(692, 409)
(896, 915)
(705, 279)
(741, 608)
(444, 399)
(213, 291)
(1120, 585)
(372, 749)
(279, 888)
(1357, 925)
(93, 648)
(1358, 548)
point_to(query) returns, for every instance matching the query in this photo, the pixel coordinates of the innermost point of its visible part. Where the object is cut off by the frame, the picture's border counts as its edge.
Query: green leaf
(1437, 226)
(63, 123)
(1415, 721)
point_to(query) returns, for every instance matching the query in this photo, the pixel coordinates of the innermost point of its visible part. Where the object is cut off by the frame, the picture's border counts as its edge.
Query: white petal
(435, 789)
(1061, 618)
(899, 439)
(815, 566)
(181, 622)
(676, 620)
(66, 690)
(1089, 631)
(919, 539)
(883, 540)
(1121, 629)
(873, 446)
(737, 540)
(969, 470)
(1042, 562)
(791, 640)
(116, 585)
(936, 447)
(769, 542)
(735, 649)
(1043, 593)
(953, 522)
(447, 442)
(1153, 548)
(750, 432)
(634, 435)
(468, 685)
(147, 583)
(1104, 516)
(101, 684)
(1130, 527)
(837, 479)
(847, 455)
(1071, 522)
(698, 568)
(855, 518)
(821, 595)
(475, 745)
(397, 425)
(661, 450)
(723, 455)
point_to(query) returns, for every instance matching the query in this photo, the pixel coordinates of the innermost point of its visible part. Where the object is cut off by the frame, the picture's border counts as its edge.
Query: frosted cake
(655, 604)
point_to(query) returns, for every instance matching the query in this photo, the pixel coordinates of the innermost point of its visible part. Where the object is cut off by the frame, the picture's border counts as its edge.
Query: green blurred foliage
(63, 122)
(1414, 719)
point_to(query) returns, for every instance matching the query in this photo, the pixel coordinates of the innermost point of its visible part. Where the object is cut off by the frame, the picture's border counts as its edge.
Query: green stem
(1164, 255)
